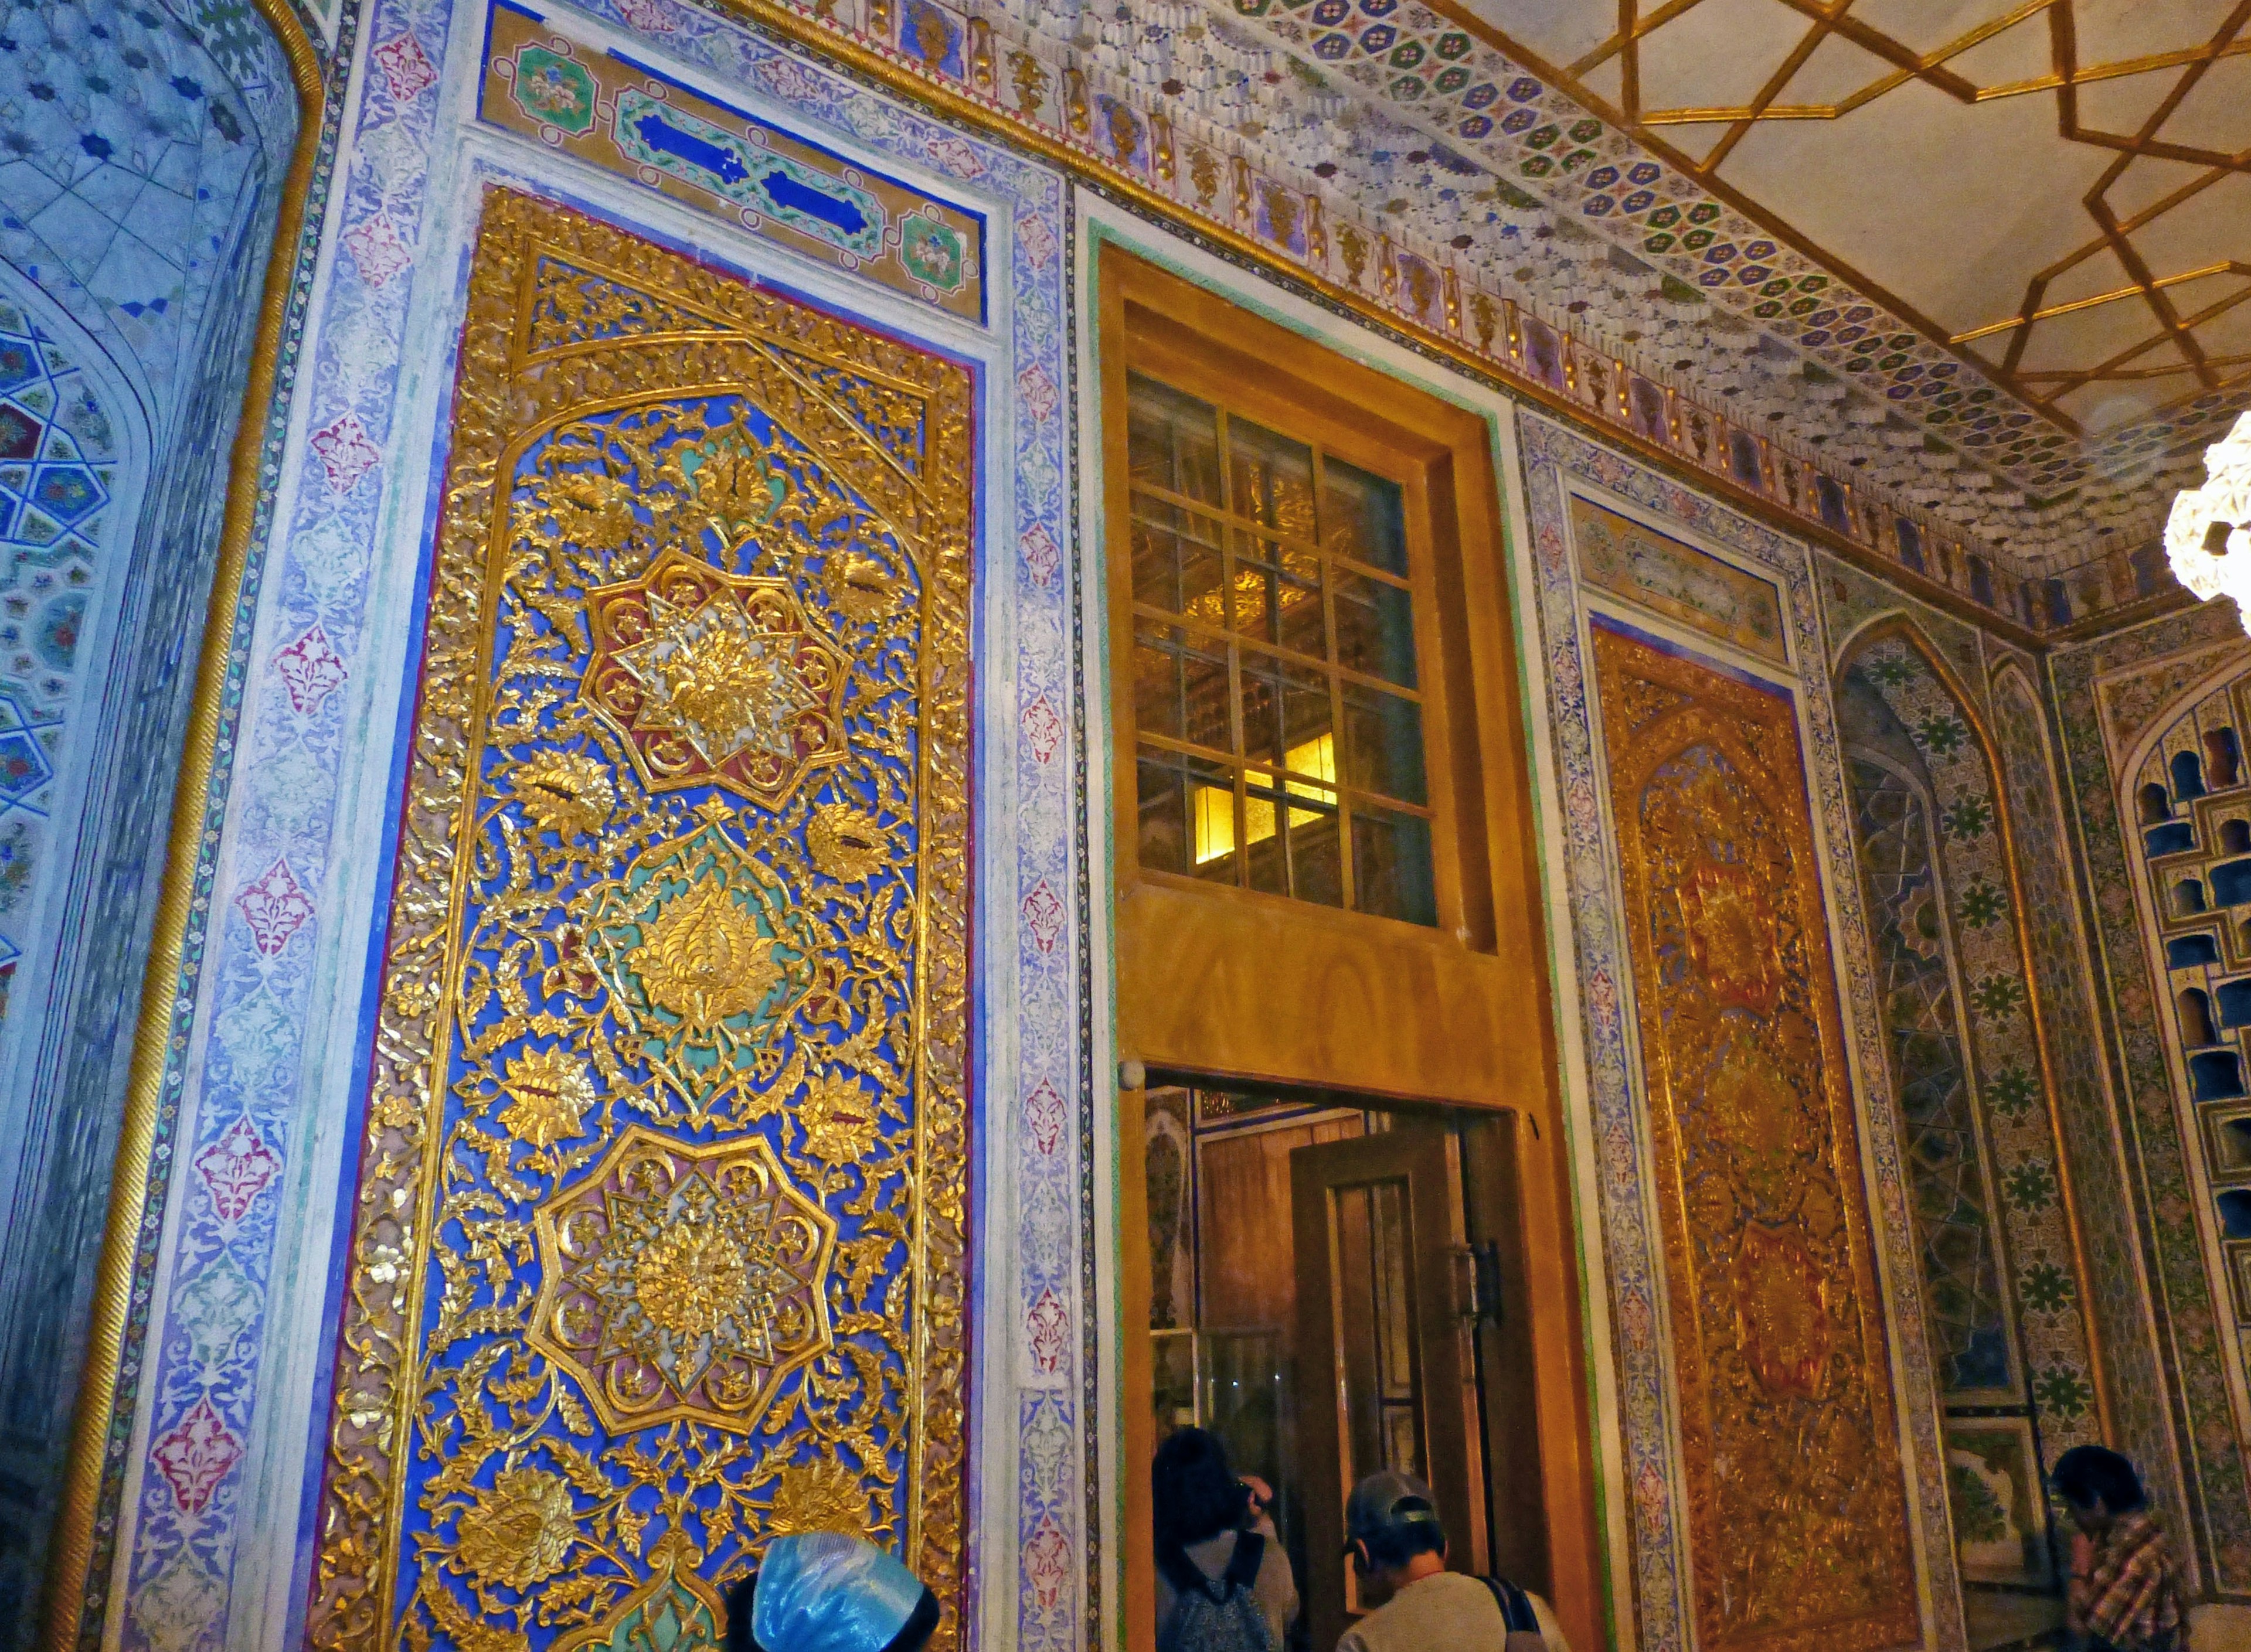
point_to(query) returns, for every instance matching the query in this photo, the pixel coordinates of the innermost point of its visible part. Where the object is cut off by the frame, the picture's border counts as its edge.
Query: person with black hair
(1223, 1580)
(2125, 1586)
(1398, 1549)
(824, 1591)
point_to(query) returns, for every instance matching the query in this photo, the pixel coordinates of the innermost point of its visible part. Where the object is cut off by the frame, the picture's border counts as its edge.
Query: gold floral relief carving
(658, 1243)
(1797, 1522)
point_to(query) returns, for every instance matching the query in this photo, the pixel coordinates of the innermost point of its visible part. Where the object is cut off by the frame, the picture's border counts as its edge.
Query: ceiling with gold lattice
(2058, 189)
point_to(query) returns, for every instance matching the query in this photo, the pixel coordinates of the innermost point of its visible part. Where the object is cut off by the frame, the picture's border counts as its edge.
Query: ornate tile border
(1235, 112)
(2104, 695)
(626, 118)
(1387, 216)
(1555, 461)
(1435, 69)
(281, 938)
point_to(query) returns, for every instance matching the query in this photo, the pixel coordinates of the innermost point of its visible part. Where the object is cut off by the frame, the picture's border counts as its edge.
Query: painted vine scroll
(1797, 1520)
(658, 1244)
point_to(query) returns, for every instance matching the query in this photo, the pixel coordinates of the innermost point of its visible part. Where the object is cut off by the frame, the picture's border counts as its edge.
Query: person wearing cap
(824, 1591)
(1398, 1548)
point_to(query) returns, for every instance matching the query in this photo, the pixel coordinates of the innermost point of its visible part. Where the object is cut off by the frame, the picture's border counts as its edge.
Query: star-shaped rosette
(712, 678)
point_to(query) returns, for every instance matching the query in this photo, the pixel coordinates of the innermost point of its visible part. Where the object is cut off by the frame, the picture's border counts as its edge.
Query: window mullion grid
(1190, 623)
(1206, 508)
(1329, 671)
(1234, 654)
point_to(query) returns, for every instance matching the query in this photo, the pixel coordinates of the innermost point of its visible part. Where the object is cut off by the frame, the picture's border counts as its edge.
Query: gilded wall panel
(658, 1240)
(1799, 1532)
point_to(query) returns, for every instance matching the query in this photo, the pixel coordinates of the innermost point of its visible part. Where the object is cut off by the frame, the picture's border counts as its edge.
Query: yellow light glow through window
(1214, 806)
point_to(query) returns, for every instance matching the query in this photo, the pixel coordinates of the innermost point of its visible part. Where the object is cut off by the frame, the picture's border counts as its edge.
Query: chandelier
(2208, 535)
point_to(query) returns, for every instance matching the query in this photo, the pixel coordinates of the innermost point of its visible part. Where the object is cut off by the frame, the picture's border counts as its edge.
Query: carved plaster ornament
(2208, 535)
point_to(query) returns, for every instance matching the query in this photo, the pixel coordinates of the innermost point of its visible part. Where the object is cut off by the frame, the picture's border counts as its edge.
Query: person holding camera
(1223, 1583)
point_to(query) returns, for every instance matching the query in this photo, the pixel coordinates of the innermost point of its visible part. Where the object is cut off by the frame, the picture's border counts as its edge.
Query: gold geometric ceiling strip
(2227, 266)
(1765, 109)
(2111, 368)
(2041, 391)
(1807, 45)
(2037, 287)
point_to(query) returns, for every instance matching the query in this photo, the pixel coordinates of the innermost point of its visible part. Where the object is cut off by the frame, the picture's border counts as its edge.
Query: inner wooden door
(1386, 1372)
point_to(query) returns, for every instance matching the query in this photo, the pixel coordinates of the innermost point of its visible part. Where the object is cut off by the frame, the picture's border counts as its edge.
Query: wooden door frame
(1389, 1011)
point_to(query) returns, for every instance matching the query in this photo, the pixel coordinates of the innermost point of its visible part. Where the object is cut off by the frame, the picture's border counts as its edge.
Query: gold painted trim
(892, 75)
(2067, 77)
(69, 1586)
(1901, 628)
(364, 1576)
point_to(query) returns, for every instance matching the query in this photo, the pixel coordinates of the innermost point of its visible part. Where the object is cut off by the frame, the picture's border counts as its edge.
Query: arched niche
(146, 297)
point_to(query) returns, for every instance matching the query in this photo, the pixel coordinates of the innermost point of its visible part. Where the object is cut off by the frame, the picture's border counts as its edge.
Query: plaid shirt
(2131, 1595)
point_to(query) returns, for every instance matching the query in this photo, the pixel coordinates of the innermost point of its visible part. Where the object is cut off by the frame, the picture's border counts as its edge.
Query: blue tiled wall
(142, 151)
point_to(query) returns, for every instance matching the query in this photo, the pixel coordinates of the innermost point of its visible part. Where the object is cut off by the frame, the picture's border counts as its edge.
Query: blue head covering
(823, 1592)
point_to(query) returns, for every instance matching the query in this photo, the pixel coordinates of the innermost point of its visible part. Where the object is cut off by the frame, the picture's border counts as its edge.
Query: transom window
(1278, 706)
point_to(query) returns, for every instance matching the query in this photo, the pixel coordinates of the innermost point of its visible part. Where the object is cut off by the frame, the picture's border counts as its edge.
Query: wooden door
(1386, 1363)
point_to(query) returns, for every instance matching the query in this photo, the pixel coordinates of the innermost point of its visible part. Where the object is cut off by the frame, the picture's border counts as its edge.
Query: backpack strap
(1242, 1571)
(1243, 1566)
(1515, 1607)
(1179, 1571)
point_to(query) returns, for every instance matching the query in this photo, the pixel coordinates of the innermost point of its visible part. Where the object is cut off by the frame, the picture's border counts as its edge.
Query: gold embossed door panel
(658, 1241)
(1798, 1527)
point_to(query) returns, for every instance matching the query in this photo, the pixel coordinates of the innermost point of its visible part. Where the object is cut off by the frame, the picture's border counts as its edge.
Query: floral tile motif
(2117, 1300)
(1918, 748)
(1558, 464)
(1977, 924)
(1971, 1333)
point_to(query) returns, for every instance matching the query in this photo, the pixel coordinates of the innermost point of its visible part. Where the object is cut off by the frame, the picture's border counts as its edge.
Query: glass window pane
(1163, 798)
(1273, 478)
(1256, 694)
(1187, 815)
(1277, 595)
(1172, 440)
(1391, 865)
(1290, 829)
(1316, 853)
(1374, 1334)
(1383, 745)
(1176, 560)
(1362, 516)
(1180, 685)
(1375, 628)
(1285, 715)
(1263, 804)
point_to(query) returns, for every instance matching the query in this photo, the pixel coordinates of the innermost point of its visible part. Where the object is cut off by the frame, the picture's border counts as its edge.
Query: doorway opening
(1336, 1287)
